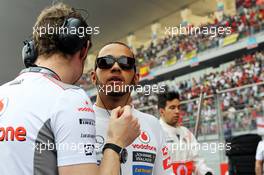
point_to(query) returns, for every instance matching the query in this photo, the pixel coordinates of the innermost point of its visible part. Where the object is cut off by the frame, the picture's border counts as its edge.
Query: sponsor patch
(86, 108)
(87, 135)
(88, 149)
(86, 121)
(144, 137)
(144, 157)
(3, 105)
(13, 134)
(142, 170)
(145, 147)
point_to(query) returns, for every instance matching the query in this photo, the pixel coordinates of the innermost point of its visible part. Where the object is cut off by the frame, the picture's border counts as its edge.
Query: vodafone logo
(182, 169)
(144, 137)
(86, 108)
(11, 133)
(3, 105)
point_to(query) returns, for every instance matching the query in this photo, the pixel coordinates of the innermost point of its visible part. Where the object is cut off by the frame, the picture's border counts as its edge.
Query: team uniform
(184, 160)
(44, 124)
(146, 155)
(260, 151)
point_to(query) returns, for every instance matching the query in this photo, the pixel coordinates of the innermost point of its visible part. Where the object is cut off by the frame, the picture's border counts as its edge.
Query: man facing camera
(114, 72)
(186, 161)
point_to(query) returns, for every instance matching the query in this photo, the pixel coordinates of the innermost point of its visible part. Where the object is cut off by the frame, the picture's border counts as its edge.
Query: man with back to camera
(115, 70)
(183, 162)
(47, 125)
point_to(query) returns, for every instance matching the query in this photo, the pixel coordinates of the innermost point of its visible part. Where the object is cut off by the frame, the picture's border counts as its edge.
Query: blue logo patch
(142, 170)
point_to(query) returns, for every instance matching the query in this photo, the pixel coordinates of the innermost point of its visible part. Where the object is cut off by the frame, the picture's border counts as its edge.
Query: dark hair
(114, 42)
(167, 96)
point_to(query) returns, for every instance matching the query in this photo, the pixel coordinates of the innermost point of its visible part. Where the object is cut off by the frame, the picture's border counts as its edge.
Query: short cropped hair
(115, 42)
(167, 96)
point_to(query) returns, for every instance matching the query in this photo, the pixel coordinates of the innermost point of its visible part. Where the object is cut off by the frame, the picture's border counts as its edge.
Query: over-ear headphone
(29, 53)
(68, 42)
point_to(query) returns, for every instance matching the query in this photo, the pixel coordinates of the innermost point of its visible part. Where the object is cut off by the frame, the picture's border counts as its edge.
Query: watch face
(124, 155)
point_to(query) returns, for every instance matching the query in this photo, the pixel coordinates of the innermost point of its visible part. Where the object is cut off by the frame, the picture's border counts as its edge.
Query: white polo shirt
(147, 155)
(44, 124)
(260, 151)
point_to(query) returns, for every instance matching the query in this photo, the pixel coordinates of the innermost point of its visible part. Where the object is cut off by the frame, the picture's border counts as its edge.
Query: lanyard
(42, 70)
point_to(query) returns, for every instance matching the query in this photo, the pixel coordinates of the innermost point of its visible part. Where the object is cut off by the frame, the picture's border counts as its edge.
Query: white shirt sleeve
(260, 149)
(200, 165)
(73, 125)
(163, 159)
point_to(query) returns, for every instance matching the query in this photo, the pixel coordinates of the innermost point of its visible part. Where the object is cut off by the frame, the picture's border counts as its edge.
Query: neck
(175, 125)
(109, 102)
(58, 64)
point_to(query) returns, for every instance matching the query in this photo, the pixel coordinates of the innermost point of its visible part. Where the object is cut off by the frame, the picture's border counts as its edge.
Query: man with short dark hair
(115, 75)
(182, 161)
(47, 125)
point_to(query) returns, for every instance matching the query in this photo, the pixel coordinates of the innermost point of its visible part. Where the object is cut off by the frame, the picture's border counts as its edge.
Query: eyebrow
(115, 56)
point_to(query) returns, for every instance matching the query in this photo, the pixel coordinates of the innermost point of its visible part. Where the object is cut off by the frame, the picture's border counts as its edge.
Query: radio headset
(67, 42)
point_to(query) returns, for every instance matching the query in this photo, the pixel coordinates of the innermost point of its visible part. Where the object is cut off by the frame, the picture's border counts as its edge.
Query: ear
(136, 78)
(93, 76)
(84, 51)
(161, 111)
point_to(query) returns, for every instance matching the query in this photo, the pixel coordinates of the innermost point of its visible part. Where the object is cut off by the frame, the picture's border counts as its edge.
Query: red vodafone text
(12, 134)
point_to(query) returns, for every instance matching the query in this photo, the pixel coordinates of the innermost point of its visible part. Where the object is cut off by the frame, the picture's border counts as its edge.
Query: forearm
(110, 164)
(259, 167)
(258, 170)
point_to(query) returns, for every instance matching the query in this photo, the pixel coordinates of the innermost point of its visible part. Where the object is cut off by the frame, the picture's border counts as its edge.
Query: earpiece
(29, 53)
(71, 41)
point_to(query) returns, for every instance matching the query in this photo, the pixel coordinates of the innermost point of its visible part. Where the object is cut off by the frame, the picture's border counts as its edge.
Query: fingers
(127, 111)
(115, 112)
(121, 111)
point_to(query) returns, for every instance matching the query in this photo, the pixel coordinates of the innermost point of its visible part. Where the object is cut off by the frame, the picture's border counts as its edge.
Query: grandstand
(228, 70)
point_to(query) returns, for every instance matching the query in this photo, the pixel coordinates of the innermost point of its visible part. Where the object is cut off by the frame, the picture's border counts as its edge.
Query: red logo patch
(144, 137)
(3, 105)
(86, 108)
(12, 134)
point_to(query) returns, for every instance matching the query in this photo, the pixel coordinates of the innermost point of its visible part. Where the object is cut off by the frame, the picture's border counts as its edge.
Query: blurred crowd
(173, 49)
(246, 70)
(248, 20)
(237, 106)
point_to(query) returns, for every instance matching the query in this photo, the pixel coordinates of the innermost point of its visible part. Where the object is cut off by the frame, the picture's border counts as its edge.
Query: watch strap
(113, 147)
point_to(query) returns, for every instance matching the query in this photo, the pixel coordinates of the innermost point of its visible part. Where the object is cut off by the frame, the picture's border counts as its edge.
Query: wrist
(116, 142)
(122, 152)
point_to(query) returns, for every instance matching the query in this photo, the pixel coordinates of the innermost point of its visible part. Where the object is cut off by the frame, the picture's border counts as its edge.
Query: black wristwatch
(122, 152)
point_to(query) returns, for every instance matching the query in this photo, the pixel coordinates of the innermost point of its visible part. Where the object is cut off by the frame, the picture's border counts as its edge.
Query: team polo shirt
(147, 155)
(44, 124)
(260, 151)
